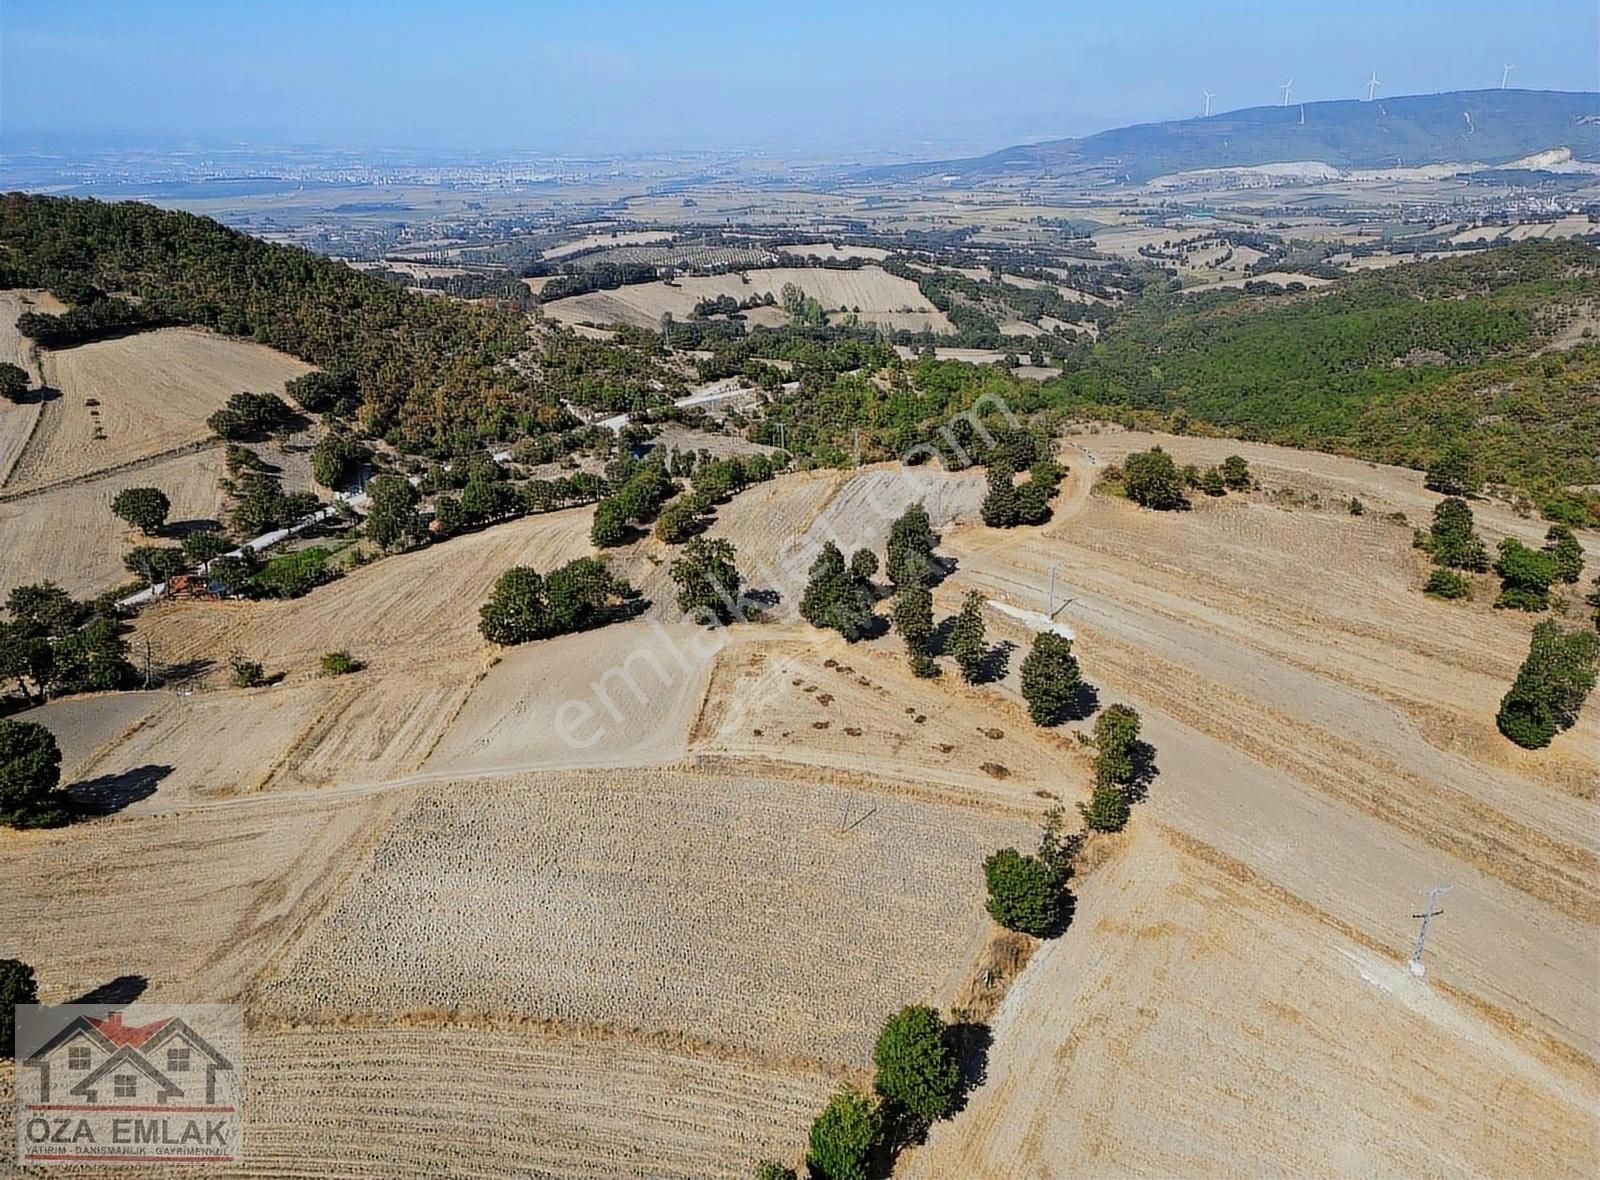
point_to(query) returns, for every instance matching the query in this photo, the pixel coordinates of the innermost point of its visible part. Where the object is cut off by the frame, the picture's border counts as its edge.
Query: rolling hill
(1417, 129)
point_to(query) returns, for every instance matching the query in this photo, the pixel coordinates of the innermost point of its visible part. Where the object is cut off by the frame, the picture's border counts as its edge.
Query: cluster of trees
(54, 645)
(916, 1082)
(639, 487)
(1527, 574)
(802, 309)
(1551, 686)
(30, 781)
(1116, 768)
(261, 505)
(912, 569)
(1007, 504)
(526, 605)
(714, 481)
(1233, 475)
(840, 596)
(1027, 892)
(96, 317)
(249, 416)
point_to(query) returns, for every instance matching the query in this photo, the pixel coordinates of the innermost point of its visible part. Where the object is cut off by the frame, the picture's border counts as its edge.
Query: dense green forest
(432, 373)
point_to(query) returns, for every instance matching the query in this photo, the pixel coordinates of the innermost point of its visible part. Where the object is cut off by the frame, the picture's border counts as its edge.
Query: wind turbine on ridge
(1286, 88)
(1505, 73)
(1209, 97)
(1372, 85)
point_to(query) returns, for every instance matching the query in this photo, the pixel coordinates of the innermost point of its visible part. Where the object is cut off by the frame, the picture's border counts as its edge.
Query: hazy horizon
(633, 79)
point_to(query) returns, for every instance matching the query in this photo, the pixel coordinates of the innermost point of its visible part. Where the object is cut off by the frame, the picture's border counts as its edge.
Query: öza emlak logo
(146, 1084)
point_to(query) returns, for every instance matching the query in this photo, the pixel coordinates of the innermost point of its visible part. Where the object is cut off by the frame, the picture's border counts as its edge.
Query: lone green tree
(709, 584)
(17, 986)
(392, 517)
(913, 619)
(13, 381)
(1050, 678)
(1526, 576)
(967, 638)
(1451, 540)
(1152, 479)
(1236, 473)
(144, 508)
(1115, 732)
(843, 1137)
(910, 547)
(1555, 679)
(915, 1068)
(1567, 553)
(999, 508)
(1025, 893)
(30, 776)
(518, 611)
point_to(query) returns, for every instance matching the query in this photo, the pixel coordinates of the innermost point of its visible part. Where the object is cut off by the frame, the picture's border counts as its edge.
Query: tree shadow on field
(110, 793)
(996, 662)
(179, 529)
(34, 397)
(1083, 703)
(969, 1043)
(1145, 771)
(124, 989)
(182, 670)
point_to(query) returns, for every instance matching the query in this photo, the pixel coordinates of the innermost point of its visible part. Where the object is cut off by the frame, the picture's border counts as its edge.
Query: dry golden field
(675, 939)
(882, 298)
(136, 397)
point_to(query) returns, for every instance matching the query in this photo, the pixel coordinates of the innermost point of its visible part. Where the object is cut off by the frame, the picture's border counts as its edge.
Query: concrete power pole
(1427, 916)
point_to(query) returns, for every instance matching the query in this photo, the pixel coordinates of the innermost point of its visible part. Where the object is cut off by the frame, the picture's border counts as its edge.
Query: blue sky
(931, 76)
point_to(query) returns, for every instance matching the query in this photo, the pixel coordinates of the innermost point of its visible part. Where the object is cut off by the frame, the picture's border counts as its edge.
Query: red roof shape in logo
(127, 1034)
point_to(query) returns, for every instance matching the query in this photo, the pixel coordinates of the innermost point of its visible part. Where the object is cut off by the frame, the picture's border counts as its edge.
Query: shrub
(1447, 584)
(1212, 484)
(30, 777)
(1236, 473)
(1024, 892)
(1050, 678)
(1151, 479)
(1115, 732)
(144, 508)
(915, 1068)
(843, 1137)
(773, 1170)
(17, 986)
(339, 663)
(1357, 508)
(246, 673)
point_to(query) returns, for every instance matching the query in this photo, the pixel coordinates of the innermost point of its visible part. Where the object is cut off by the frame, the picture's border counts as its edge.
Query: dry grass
(779, 917)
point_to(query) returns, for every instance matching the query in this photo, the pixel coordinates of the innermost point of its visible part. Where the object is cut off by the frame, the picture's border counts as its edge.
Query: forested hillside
(1399, 366)
(432, 373)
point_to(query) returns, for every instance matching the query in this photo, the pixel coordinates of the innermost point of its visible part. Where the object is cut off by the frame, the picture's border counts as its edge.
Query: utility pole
(1050, 599)
(147, 663)
(1427, 916)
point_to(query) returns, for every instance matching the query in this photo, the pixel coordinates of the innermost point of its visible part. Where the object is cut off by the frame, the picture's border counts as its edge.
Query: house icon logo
(148, 1084)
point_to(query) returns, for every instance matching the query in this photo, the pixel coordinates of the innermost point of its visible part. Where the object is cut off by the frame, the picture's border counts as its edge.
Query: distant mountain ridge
(1491, 127)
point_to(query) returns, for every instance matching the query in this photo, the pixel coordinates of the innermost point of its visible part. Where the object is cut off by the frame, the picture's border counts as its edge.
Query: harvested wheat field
(1322, 724)
(139, 396)
(883, 299)
(194, 904)
(856, 710)
(783, 919)
(1141, 1043)
(70, 535)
